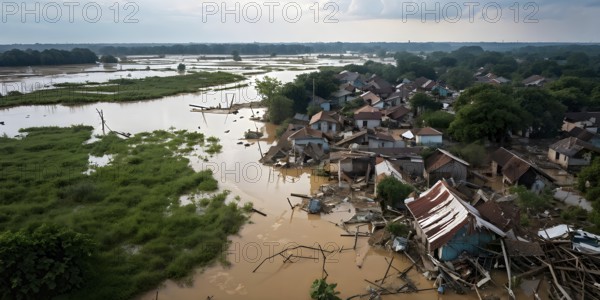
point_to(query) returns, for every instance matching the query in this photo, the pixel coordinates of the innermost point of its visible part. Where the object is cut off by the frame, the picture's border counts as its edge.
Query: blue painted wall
(464, 242)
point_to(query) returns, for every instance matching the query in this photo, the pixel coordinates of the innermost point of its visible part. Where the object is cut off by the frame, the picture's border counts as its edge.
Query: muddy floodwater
(238, 170)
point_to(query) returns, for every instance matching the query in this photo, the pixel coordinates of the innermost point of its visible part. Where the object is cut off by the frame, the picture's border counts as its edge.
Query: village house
(369, 120)
(429, 137)
(320, 102)
(324, 122)
(380, 139)
(448, 226)
(589, 121)
(369, 139)
(301, 138)
(492, 79)
(572, 153)
(516, 171)
(444, 165)
(353, 78)
(534, 80)
(379, 86)
(584, 135)
(397, 115)
(418, 83)
(371, 99)
(351, 165)
(340, 97)
(441, 91)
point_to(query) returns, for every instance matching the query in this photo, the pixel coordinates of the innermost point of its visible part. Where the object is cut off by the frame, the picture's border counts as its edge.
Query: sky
(241, 21)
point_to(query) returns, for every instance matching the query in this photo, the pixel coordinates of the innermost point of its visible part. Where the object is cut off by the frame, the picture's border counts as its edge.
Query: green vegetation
(280, 109)
(129, 209)
(487, 112)
(122, 90)
(283, 100)
(529, 201)
(398, 229)
(421, 102)
(108, 59)
(436, 119)
(475, 154)
(321, 290)
(393, 192)
(181, 68)
(588, 182)
(43, 263)
(16, 58)
(236, 55)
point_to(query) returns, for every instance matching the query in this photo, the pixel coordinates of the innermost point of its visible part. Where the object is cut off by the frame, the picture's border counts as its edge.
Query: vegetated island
(112, 231)
(120, 90)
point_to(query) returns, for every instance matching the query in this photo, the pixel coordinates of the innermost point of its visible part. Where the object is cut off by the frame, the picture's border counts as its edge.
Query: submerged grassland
(130, 207)
(121, 90)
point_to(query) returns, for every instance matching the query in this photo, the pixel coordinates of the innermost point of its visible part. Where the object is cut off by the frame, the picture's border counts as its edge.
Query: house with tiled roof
(429, 137)
(369, 120)
(535, 80)
(324, 122)
(301, 138)
(444, 165)
(572, 153)
(517, 171)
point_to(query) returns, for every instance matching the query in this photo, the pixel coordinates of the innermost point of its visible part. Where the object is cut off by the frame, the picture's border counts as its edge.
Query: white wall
(371, 124)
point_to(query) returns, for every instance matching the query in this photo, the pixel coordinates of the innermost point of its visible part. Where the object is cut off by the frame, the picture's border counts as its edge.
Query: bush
(397, 229)
(573, 213)
(321, 290)
(527, 199)
(437, 119)
(393, 192)
(475, 154)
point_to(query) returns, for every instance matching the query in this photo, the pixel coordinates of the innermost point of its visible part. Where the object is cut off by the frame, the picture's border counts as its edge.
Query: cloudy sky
(182, 21)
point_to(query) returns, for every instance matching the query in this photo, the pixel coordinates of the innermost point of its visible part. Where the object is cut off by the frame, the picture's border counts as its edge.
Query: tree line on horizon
(19, 58)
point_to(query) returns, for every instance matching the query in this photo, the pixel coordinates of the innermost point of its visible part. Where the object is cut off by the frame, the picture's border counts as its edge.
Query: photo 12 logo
(453, 12)
(54, 12)
(254, 12)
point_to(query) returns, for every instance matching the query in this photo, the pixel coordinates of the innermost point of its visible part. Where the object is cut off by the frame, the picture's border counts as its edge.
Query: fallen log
(259, 212)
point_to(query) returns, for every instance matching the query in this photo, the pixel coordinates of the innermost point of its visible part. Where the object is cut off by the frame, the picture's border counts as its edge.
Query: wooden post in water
(101, 113)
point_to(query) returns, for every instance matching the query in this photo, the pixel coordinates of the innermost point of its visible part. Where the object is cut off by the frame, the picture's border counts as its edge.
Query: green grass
(122, 90)
(130, 207)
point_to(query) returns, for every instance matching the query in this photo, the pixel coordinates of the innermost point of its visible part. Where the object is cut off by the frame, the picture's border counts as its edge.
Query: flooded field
(238, 170)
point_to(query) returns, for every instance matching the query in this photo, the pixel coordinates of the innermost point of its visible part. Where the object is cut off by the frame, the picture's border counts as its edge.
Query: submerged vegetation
(129, 210)
(122, 90)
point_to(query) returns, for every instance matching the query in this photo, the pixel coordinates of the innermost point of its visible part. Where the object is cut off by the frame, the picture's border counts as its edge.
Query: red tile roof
(428, 131)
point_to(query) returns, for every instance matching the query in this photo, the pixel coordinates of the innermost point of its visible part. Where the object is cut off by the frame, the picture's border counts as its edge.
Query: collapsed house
(517, 171)
(448, 226)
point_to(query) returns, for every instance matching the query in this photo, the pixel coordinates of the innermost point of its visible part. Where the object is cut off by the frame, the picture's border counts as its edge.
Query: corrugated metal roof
(440, 214)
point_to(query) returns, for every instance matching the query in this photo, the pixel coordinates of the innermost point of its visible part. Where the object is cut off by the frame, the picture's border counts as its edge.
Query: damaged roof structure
(447, 223)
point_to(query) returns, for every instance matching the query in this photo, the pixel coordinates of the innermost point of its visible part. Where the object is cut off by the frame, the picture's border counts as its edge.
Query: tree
(421, 102)
(181, 68)
(108, 59)
(325, 82)
(531, 201)
(393, 192)
(236, 55)
(437, 119)
(297, 94)
(280, 109)
(313, 110)
(459, 78)
(267, 88)
(544, 112)
(486, 113)
(321, 290)
(44, 263)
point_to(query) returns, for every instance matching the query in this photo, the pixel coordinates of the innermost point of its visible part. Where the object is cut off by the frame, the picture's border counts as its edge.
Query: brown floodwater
(237, 169)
